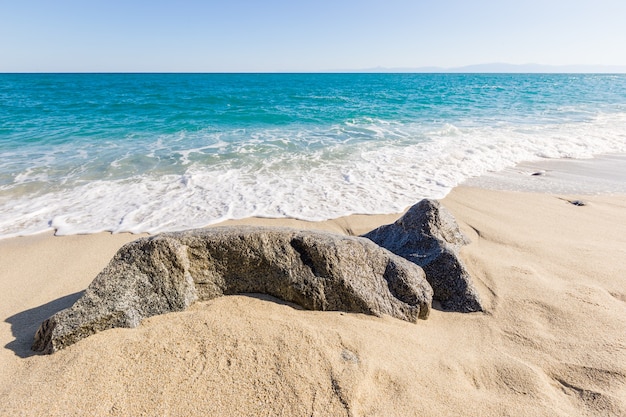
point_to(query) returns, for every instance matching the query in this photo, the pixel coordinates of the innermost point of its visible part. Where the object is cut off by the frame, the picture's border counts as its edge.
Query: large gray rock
(429, 236)
(168, 272)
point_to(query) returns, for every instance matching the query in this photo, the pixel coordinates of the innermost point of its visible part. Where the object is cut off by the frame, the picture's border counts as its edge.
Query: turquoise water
(82, 153)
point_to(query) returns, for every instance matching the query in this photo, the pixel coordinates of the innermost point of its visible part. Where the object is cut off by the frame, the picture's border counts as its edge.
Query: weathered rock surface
(168, 272)
(429, 236)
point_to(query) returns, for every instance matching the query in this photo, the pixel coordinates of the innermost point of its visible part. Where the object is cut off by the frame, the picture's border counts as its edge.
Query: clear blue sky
(281, 35)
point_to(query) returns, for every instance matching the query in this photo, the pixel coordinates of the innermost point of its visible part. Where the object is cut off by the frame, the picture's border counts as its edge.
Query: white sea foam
(366, 167)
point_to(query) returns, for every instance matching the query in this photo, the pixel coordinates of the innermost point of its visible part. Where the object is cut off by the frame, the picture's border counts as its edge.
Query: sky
(303, 35)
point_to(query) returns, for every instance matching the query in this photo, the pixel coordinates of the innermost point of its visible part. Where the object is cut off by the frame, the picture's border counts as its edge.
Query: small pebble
(348, 356)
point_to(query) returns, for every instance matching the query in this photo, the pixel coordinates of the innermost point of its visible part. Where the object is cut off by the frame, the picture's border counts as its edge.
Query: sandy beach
(551, 343)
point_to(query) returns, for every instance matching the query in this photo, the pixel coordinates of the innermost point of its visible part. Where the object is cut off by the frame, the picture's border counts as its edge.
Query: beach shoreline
(123, 153)
(552, 341)
(600, 174)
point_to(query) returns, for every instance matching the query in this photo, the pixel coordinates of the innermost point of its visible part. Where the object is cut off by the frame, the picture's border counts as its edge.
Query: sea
(87, 153)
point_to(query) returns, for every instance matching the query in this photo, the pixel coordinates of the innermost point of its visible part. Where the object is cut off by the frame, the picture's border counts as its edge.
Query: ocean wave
(313, 173)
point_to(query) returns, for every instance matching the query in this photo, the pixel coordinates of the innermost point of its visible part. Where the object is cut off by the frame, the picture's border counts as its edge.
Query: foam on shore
(300, 172)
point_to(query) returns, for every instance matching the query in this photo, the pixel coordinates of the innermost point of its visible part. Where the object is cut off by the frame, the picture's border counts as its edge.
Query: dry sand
(552, 343)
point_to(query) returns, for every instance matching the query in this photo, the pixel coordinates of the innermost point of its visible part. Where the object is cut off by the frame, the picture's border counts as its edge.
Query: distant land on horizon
(492, 68)
(502, 68)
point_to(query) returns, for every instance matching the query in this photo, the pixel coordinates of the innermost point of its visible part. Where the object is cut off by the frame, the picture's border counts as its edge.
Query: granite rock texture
(429, 236)
(170, 271)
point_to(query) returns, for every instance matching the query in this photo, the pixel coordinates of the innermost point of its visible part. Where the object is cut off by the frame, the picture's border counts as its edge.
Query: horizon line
(491, 68)
(606, 71)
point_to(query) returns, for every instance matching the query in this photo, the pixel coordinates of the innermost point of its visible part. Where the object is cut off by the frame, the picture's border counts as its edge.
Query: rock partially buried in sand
(169, 272)
(578, 203)
(429, 236)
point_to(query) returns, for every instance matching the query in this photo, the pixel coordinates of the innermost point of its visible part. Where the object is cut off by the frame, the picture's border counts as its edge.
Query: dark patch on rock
(429, 236)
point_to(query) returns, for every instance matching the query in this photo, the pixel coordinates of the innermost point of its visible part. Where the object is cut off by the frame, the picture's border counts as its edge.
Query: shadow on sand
(25, 324)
